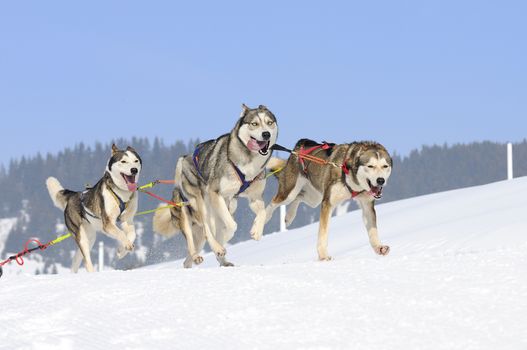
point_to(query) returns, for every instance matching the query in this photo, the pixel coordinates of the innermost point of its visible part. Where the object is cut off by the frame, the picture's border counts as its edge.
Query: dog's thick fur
(99, 207)
(212, 188)
(369, 167)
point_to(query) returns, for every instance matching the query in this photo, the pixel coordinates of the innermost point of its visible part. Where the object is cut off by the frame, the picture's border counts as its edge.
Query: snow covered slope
(456, 278)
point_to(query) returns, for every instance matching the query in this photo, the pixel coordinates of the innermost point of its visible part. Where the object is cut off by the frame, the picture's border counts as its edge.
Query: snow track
(455, 279)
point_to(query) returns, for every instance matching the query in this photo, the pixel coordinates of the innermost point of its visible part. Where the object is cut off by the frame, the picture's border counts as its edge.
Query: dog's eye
(136, 161)
(254, 124)
(370, 166)
(385, 166)
(123, 161)
(270, 123)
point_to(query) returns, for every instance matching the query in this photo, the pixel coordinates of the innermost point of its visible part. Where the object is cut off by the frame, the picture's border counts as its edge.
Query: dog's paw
(289, 218)
(221, 253)
(187, 263)
(129, 246)
(382, 250)
(325, 258)
(121, 252)
(197, 259)
(256, 233)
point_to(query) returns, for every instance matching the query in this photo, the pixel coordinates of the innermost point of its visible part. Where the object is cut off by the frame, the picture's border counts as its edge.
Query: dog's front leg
(369, 218)
(224, 214)
(115, 232)
(257, 205)
(129, 230)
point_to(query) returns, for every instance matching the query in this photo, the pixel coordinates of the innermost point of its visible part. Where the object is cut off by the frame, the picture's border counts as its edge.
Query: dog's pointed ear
(114, 149)
(131, 149)
(262, 107)
(244, 110)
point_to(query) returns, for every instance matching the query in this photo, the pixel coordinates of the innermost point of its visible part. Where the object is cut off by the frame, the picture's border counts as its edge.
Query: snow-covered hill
(455, 279)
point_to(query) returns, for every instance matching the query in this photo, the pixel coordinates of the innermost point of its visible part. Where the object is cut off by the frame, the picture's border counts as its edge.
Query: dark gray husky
(213, 177)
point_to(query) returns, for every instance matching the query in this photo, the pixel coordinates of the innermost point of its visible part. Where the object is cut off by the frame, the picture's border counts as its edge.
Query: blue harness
(122, 204)
(245, 184)
(195, 159)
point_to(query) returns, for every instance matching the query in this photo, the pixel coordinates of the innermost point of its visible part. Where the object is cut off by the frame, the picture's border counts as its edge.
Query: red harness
(304, 153)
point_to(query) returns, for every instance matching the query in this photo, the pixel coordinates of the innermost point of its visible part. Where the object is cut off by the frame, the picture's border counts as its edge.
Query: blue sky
(405, 73)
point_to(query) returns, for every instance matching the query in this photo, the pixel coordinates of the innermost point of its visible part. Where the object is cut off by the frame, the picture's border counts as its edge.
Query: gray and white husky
(111, 201)
(213, 178)
(358, 170)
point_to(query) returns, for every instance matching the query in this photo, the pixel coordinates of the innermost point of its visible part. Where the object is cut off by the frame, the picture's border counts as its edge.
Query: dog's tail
(275, 165)
(166, 221)
(58, 194)
(164, 224)
(179, 171)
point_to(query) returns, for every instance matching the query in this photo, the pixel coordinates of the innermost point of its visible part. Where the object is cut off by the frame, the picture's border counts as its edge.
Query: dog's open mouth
(375, 191)
(130, 182)
(261, 146)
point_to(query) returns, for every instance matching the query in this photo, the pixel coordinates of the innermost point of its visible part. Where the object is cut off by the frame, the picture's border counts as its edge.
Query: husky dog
(358, 170)
(100, 208)
(213, 178)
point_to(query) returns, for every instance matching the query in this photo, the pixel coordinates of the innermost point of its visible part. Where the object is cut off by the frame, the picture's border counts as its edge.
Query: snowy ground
(455, 279)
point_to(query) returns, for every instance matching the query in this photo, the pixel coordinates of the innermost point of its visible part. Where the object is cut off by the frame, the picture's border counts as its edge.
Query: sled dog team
(215, 176)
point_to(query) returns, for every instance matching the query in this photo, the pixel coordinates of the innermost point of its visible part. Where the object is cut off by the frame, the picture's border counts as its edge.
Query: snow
(455, 279)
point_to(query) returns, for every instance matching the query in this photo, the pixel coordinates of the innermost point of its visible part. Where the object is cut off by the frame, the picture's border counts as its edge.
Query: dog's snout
(266, 135)
(134, 171)
(380, 181)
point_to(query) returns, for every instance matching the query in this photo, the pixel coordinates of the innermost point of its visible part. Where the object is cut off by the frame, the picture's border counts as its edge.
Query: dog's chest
(236, 177)
(251, 170)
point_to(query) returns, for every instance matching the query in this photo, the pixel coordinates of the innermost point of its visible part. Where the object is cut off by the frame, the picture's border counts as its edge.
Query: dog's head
(373, 166)
(257, 129)
(124, 168)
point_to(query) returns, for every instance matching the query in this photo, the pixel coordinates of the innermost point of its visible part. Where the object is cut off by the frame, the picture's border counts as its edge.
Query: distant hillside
(24, 196)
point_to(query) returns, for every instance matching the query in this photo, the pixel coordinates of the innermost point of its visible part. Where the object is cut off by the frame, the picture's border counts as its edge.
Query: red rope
(162, 199)
(166, 182)
(19, 256)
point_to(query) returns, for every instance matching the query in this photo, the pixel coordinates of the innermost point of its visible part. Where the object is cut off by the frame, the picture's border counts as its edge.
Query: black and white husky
(111, 201)
(213, 177)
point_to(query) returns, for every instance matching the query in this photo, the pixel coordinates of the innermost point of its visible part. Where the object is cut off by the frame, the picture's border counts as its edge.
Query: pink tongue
(253, 145)
(132, 187)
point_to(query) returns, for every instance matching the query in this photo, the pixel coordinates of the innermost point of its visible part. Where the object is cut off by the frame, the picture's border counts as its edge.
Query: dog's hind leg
(85, 240)
(291, 211)
(188, 232)
(77, 260)
(199, 241)
(287, 192)
(322, 243)
(203, 215)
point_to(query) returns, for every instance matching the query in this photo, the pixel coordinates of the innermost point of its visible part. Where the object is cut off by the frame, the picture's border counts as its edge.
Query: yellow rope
(60, 239)
(274, 172)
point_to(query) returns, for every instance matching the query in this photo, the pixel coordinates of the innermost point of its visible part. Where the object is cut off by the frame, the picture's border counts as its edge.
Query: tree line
(23, 193)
